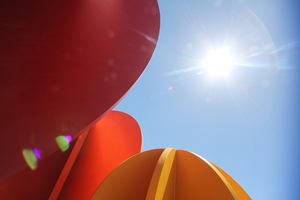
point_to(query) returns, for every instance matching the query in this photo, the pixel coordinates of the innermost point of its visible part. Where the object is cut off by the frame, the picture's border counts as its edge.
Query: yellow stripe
(161, 175)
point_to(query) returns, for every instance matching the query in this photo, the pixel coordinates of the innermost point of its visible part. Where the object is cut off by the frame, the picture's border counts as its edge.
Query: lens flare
(63, 142)
(30, 158)
(69, 138)
(38, 153)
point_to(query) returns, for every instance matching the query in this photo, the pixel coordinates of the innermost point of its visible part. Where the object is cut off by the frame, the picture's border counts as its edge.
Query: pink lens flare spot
(69, 138)
(38, 153)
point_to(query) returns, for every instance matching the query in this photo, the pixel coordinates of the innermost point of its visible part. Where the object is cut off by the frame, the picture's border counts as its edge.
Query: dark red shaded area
(37, 184)
(79, 171)
(63, 64)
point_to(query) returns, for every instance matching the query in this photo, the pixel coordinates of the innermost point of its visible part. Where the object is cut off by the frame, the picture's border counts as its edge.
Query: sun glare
(218, 62)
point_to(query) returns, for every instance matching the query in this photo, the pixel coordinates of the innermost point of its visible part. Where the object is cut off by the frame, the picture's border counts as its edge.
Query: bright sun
(219, 62)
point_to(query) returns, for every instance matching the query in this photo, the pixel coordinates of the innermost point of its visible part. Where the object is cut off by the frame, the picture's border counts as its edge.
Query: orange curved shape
(197, 175)
(240, 192)
(179, 175)
(113, 139)
(64, 64)
(131, 179)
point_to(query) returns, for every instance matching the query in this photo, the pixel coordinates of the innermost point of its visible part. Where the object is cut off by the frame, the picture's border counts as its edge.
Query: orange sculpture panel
(177, 174)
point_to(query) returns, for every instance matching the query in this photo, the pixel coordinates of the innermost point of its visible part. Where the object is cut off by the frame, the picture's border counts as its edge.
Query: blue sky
(246, 122)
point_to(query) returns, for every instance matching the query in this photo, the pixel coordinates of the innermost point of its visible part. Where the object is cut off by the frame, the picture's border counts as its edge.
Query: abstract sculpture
(64, 66)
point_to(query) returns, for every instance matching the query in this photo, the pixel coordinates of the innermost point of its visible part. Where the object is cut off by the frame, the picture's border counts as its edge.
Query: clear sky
(244, 121)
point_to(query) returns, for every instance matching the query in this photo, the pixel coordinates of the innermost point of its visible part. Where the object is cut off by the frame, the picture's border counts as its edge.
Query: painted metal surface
(76, 173)
(37, 184)
(63, 65)
(112, 140)
(131, 179)
(175, 174)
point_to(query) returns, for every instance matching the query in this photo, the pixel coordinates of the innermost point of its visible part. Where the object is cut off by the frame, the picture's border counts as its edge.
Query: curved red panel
(112, 140)
(64, 64)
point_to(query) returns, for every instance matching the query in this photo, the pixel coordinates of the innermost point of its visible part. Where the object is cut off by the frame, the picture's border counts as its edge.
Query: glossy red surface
(64, 64)
(81, 169)
(112, 140)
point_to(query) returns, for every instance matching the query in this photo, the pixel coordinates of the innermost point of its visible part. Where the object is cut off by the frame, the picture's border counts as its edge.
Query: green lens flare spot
(30, 158)
(62, 142)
